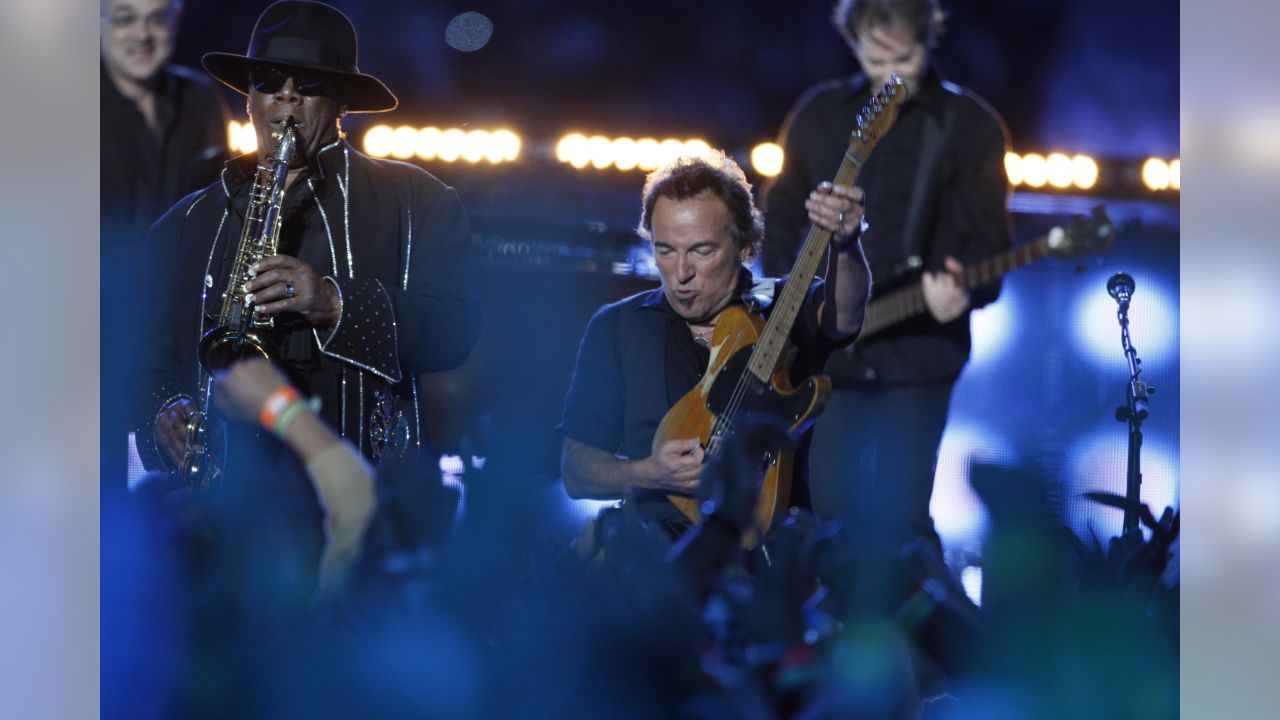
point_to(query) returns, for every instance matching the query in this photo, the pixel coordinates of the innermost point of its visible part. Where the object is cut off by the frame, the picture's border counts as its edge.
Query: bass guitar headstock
(1086, 235)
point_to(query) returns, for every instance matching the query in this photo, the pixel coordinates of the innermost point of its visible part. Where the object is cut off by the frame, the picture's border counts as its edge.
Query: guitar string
(724, 422)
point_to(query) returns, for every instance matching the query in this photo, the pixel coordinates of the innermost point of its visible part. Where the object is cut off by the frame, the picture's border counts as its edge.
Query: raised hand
(837, 208)
(241, 389)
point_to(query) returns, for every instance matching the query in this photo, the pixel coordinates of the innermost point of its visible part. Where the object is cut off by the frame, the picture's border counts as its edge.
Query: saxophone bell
(205, 452)
(223, 346)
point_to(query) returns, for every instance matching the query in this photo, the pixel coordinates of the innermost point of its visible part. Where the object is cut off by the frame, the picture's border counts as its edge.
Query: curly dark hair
(925, 17)
(690, 176)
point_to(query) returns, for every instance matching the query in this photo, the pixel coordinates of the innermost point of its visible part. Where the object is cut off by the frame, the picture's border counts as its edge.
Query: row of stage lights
(449, 144)
(1035, 170)
(625, 153)
(1081, 171)
(1032, 170)
(405, 142)
(1158, 174)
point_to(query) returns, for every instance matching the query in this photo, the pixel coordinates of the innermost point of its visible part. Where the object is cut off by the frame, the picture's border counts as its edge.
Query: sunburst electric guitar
(751, 358)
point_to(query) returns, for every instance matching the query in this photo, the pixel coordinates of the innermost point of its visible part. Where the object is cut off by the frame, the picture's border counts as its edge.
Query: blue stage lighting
(1097, 464)
(958, 514)
(1153, 324)
(582, 512)
(993, 326)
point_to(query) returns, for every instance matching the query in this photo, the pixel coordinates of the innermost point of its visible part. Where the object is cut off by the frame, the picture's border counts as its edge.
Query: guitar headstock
(1091, 234)
(876, 117)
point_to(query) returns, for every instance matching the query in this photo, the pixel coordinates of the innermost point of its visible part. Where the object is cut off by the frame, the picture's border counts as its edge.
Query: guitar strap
(920, 213)
(920, 216)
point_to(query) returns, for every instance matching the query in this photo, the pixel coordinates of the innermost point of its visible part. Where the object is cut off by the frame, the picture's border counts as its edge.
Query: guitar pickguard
(736, 392)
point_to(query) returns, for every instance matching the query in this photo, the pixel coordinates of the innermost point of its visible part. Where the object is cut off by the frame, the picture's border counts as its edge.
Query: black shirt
(920, 203)
(145, 170)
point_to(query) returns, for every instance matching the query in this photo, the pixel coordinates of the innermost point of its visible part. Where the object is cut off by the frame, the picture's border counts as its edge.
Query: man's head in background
(890, 37)
(137, 37)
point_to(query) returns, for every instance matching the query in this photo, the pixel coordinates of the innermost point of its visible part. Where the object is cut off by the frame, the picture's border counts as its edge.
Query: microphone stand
(1134, 412)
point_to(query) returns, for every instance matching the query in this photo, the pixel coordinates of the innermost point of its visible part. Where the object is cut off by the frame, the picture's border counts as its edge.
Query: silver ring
(288, 289)
(840, 223)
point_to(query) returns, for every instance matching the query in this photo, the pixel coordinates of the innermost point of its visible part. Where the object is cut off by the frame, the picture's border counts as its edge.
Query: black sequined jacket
(395, 242)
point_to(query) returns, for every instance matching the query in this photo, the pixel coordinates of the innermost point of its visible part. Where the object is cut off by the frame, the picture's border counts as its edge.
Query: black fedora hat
(309, 36)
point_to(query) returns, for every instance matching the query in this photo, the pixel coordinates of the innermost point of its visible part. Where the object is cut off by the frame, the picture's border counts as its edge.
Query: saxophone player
(372, 282)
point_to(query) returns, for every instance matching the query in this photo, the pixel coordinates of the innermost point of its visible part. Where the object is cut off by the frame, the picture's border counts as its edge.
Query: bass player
(938, 195)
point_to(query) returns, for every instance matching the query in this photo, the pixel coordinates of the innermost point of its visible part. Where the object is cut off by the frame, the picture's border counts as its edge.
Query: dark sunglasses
(268, 79)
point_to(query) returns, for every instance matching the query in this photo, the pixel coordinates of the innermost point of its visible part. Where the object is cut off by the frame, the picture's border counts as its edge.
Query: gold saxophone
(236, 333)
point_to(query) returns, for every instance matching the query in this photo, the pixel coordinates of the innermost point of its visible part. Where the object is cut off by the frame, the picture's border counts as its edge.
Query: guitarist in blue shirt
(641, 355)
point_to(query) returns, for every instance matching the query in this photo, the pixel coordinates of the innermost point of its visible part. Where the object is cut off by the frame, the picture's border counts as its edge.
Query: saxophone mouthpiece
(285, 135)
(278, 126)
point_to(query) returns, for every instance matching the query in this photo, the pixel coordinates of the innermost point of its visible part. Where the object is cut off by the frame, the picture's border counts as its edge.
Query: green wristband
(287, 417)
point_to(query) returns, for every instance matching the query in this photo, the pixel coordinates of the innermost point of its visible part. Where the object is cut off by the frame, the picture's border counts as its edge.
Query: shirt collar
(165, 87)
(241, 169)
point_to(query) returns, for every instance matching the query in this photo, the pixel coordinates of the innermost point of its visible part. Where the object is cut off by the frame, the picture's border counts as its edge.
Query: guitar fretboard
(908, 302)
(787, 307)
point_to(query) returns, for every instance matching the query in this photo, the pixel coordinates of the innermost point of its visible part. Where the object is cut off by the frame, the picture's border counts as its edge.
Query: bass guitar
(1086, 235)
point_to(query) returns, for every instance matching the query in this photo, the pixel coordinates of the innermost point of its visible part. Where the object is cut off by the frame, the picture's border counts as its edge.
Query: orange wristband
(283, 397)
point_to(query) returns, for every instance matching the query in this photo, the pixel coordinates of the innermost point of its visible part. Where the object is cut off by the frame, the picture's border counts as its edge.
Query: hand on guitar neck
(944, 293)
(839, 209)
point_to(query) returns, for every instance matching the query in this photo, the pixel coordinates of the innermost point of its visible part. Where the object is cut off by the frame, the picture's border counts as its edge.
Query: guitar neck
(764, 359)
(908, 302)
